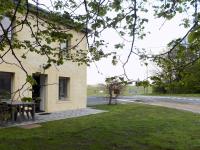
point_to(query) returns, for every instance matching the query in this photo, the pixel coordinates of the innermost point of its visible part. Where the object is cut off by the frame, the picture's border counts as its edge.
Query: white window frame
(64, 46)
(10, 77)
(63, 94)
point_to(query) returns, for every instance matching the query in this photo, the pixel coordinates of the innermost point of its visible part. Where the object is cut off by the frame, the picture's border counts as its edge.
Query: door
(36, 87)
(43, 84)
(39, 91)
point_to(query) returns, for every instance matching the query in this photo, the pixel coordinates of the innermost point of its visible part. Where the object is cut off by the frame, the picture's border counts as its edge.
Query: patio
(45, 117)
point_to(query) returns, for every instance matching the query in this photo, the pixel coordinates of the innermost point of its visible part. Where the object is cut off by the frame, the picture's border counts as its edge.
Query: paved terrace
(57, 116)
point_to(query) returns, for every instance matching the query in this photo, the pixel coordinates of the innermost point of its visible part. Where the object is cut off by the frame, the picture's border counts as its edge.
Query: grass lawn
(124, 127)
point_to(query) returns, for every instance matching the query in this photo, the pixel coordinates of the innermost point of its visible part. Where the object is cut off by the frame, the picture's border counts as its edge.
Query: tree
(144, 84)
(115, 85)
(179, 71)
(126, 17)
(157, 84)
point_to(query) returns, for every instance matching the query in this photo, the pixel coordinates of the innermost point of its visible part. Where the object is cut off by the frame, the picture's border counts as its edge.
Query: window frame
(11, 75)
(65, 49)
(63, 94)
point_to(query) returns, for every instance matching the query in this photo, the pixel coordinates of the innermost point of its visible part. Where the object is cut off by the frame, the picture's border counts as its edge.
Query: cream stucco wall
(34, 62)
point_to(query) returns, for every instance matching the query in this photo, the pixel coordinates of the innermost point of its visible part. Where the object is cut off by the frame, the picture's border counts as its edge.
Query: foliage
(179, 71)
(129, 90)
(158, 85)
(127, 18)
(145, 84)
(4, 113)
(97, 16)
(26, 99)
(5, 95)
(37, 99)
(115, 85)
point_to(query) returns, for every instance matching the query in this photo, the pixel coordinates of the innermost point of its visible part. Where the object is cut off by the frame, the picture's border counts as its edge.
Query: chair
(5, 113)
(26, 109)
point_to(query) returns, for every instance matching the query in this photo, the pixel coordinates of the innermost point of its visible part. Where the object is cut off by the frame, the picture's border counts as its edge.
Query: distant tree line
(180, 70)
(145, 84)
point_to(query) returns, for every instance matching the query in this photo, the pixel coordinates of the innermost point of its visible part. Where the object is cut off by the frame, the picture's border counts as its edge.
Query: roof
(57, 17)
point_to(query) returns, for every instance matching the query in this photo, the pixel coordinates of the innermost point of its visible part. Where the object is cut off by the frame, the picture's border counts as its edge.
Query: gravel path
(188, 107)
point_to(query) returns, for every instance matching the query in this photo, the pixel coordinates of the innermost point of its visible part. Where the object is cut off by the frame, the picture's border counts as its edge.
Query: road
(146, 99)
(93, 100)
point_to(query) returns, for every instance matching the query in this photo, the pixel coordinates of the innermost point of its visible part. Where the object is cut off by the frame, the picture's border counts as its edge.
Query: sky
(161, 35)
(162, 32)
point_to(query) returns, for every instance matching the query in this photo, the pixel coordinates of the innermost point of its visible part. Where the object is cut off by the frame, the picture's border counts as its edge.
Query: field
(123, 127)
(100, 90)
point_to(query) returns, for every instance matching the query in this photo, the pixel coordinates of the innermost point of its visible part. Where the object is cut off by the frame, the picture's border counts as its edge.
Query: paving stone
(30, 126)
(58, 116)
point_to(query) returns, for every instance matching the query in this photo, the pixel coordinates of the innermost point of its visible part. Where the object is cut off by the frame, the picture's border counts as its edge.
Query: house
(59, 87)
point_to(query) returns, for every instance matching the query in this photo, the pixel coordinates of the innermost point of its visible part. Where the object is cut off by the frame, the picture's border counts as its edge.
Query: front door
(39, 91)
(36, 87)
(43, 84)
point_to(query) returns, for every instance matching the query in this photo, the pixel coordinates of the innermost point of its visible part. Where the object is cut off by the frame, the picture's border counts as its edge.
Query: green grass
(124, 127)
(94, 90)
(179, 95)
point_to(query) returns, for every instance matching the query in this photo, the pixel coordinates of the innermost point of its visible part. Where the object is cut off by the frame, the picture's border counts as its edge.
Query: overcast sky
(161, 34)
(155, 42)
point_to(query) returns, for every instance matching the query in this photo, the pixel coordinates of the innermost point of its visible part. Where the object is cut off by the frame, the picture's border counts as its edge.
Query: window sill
(64, 100)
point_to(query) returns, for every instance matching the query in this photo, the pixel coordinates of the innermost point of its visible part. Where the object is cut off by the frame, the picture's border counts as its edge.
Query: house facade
(59, 87)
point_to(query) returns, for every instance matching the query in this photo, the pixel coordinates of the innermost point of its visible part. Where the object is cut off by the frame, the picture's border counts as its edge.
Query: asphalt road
(92, 100)
(146, 99)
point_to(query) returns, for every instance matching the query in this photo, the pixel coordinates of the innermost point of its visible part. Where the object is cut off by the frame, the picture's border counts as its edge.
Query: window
(63, 88)
(6, 23)
(64, 46)
(5, 85)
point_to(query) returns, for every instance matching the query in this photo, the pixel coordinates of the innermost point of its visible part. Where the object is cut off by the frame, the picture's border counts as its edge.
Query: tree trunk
(110, 98)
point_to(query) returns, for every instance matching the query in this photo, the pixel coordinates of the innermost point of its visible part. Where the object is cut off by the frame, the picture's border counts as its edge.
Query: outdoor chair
(5, 113)
(19, 113)
(22, 112)
(28, 111)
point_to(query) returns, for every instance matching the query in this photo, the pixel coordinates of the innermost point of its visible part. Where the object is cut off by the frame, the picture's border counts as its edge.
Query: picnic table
(20, 107)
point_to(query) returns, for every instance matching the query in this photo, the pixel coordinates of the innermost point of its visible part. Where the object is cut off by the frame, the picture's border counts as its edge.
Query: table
(15, 105)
